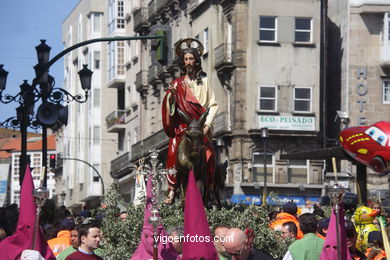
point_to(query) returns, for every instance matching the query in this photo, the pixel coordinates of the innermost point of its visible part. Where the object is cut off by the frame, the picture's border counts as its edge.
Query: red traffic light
(52, 163)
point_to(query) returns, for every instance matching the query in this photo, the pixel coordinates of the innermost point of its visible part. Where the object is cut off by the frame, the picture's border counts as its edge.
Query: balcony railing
(157, 140)
(221, 123)
(141, 80)
(160, 4)
(152, 11)
(223, 54)
(141, 19)
(116, 120)
(121, 165)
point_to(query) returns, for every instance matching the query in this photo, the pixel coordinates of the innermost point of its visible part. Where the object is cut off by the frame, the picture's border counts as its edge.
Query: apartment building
(263, 60)
(86, 138)
(34, 151)
(284, 65)
(359, 71)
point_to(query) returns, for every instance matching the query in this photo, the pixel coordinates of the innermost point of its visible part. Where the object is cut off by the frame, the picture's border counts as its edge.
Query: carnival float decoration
(369, 145)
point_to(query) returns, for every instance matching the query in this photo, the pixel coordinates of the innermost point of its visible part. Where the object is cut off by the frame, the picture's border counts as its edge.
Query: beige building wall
(363, 27)
(85, 138)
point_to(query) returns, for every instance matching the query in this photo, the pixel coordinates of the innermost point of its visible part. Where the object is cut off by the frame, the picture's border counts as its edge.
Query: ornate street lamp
(48, 94)
(264, 136)
(3, 77)
(49, 112)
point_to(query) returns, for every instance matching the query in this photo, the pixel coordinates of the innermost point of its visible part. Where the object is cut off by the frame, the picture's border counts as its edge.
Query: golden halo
(179, 49)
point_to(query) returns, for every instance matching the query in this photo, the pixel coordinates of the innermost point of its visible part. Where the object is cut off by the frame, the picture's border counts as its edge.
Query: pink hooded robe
(196, 226)
(13, 246)
(145, 247)
(329, 251)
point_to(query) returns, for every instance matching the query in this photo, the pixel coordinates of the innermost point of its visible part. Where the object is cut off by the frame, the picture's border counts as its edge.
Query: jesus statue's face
(189, 62)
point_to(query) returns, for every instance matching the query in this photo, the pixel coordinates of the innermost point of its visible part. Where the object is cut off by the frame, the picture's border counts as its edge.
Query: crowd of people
(305, 229)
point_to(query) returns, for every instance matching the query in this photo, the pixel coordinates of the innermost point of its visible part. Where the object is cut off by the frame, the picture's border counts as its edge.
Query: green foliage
(121, 239)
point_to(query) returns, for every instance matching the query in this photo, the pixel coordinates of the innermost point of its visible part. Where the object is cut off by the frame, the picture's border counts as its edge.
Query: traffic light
(52, 163)
(162, 48)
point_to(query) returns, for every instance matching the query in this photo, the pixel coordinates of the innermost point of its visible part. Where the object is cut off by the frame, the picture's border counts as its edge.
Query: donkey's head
(194, 131)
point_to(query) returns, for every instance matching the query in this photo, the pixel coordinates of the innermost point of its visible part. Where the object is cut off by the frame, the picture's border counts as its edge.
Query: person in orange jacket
(62, 241)
(288, 214)
(376, 249)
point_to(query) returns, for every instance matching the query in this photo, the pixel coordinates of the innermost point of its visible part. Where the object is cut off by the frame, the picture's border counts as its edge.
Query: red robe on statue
(174, 128)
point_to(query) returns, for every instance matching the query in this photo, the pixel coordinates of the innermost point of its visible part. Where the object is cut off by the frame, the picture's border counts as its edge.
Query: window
(268, 27)
(267, 98)
(96, 97)
(388, 27)
(297, 171)
(303, 30)
(302, 99)
(80, 29)
(386, 91)
(258, 167)
(206, 40)
(96, 22)
(120, 24)
(121, 58)
(96, 135)
(95, 175)
(96, 59)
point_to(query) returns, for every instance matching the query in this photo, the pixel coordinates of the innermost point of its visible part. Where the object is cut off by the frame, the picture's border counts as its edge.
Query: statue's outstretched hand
(206, 130)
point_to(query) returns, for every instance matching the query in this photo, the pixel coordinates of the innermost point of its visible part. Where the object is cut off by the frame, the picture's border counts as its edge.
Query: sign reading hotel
(296, 123)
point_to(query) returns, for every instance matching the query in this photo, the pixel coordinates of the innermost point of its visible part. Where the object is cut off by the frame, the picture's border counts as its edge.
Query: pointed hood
(329, 251)
(145, 247)
(196, 227)
(13, 246)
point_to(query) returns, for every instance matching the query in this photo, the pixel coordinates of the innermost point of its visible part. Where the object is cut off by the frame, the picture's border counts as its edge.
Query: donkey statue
(191, 154)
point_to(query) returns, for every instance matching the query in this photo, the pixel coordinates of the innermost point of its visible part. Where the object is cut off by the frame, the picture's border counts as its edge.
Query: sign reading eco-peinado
(297, 123)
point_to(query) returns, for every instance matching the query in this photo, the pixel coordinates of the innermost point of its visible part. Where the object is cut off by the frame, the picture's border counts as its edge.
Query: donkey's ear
(184, 116)
(225, 164)
(203, 117)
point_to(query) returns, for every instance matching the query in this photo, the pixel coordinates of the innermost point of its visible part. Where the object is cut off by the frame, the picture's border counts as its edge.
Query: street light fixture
(264, 136)
(48, 113)
(29, 95)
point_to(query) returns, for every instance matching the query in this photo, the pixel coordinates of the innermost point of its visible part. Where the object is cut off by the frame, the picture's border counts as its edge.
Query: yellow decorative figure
(363, 218)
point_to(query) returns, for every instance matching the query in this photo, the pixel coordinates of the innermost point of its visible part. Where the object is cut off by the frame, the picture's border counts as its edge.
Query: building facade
(359, 47)
(262, 59)
(85, 137)
(286, 66)
(34, 152)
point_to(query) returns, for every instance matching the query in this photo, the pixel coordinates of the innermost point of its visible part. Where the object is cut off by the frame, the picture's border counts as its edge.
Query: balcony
(117, 82)
(161, 4)
(157, 140)
(221, 125)
(154, 71)
(141, 81)
(121, 166)
(370, 6)
(223, 57)
(152, 12)
(141, 23)
(116, 121)
(385, 54)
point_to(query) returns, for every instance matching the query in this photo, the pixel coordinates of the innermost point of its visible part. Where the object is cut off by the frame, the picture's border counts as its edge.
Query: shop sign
(295, 123)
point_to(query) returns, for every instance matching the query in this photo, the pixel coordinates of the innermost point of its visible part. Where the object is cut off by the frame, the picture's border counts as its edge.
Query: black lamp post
(264, 136)
(50, 108)
(48, 112)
